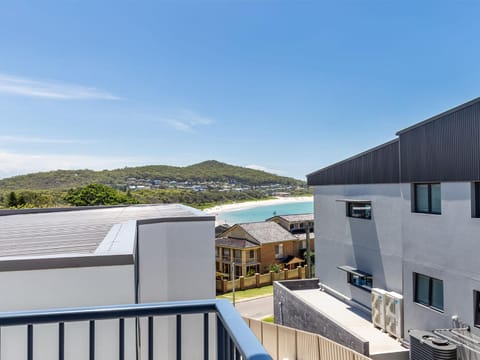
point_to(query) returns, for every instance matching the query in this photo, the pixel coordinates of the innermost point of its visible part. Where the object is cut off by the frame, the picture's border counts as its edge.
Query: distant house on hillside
(254, 247)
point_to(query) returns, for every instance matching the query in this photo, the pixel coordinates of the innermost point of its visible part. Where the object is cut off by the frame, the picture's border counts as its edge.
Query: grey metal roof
(377, 165)
(441, 115)
(74, 232)
(267, 232)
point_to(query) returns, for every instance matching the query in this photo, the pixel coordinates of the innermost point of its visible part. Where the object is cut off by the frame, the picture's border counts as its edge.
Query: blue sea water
(261, 213)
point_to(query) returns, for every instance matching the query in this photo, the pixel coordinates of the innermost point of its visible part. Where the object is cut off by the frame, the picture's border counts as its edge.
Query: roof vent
(425, 345)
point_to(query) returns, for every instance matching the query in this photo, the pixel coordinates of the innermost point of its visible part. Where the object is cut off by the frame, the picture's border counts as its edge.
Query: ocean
(261, 213)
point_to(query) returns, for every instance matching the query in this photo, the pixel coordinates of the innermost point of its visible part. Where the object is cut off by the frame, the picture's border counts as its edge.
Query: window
(360, 210)
(251, 254)
(357, 277)
(428, 291)
(476, 199)
(476, 311)
(427, 198)
(362, 281)
(278, 251)
(226, 252)
(237, 255)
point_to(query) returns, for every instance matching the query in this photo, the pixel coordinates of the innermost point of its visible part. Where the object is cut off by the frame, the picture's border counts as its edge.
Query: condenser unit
(394, 314)
(425, 345)
(378, 308)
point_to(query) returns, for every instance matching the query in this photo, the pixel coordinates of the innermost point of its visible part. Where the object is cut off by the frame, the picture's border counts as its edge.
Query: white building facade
(105, 256)
(405, 217)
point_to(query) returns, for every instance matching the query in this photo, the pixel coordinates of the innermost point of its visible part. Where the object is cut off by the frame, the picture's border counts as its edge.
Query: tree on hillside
(97, 194)
(12, 199)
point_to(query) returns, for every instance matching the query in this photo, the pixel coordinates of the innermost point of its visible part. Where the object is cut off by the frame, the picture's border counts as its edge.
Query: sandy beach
(219, 209)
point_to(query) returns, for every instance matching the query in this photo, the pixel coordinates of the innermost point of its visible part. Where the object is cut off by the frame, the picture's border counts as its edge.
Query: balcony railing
(234, 340)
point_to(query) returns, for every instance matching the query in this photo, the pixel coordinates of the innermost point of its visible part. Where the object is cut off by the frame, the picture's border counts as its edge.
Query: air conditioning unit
(425, 345)
(394, 314)
(378, 308)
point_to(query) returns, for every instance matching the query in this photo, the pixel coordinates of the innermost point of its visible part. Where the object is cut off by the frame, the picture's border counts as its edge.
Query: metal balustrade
(234, 339)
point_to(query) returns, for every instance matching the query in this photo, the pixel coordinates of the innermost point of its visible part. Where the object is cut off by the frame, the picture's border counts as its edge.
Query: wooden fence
(259, 280)
(284, 343)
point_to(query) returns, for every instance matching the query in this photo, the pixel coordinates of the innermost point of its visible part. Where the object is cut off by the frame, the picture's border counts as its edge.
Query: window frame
(429, 198)
(365, 278)
(278, 253)
(349, 212)
(475, 199)
(476, 308)
(430, 301)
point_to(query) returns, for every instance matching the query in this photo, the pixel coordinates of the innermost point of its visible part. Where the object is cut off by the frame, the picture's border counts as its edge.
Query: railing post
(205, 337)
(179, 337)
(61, 341)
(92, 340)
(121, 339)
(30, 342)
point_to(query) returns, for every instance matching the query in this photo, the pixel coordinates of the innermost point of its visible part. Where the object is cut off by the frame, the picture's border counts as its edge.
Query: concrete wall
(446, 247)
(292, 311)
(373, 246)
(176, 261)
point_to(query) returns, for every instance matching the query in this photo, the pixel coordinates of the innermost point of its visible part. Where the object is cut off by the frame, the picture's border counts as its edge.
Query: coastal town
(239, 180)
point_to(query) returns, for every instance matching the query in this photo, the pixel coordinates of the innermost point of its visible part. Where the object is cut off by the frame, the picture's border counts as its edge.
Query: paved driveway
(256, 308)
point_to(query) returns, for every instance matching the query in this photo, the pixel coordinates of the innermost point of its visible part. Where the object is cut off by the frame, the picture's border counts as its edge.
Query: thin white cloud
(12, 164)
(263, 168)
(187, 121)
(39, 140)
(21, 86)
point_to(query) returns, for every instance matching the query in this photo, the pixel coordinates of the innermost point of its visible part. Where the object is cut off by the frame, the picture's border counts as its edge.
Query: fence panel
(270, 338)
(250, 282)
(307, 346)
(287, 343)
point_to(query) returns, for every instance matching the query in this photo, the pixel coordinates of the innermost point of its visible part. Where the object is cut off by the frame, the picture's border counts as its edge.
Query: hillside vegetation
(202, 172)
(201, 185)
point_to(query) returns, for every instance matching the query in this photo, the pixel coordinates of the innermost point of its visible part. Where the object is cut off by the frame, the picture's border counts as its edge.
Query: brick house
(254, 247)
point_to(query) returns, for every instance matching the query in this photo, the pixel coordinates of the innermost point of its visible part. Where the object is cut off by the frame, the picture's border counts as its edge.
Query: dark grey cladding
(377, 165)
(445, 147)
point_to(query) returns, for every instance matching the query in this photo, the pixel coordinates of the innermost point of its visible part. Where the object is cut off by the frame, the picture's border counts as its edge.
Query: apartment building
(254, 247)
(405, 217)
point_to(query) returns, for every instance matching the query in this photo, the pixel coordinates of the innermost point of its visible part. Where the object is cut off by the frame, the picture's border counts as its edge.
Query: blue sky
(288, 86)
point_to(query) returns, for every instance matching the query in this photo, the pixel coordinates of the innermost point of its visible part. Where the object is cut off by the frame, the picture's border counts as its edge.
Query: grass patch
(250, 293)
(269, 319)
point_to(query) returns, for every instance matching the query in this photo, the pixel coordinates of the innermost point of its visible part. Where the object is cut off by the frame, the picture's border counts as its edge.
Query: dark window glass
(436, 199)
(476, 199)
(251, 254)
(364, 282)
(423, 289)
(437, 294)
(421, 198)
(428, 198)
(476, 299)
(360, 210)
(428, 291)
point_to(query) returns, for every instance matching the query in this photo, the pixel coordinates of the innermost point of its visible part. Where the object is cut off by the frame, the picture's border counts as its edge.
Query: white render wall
(398, 242)
(68, 287)
(373, 246)
(176, 262)
(446, 247)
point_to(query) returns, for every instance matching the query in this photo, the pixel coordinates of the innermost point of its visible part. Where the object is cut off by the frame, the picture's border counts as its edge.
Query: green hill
(202, 172)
